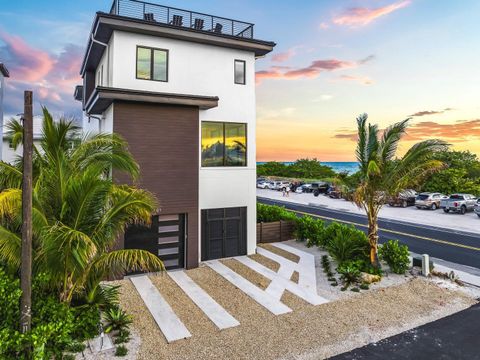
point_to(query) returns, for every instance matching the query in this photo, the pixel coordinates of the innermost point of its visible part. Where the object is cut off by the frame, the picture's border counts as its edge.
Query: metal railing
(182, 18)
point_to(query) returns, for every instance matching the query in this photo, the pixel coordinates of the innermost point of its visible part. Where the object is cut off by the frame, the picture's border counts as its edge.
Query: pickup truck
(477, 208)
(459, 203)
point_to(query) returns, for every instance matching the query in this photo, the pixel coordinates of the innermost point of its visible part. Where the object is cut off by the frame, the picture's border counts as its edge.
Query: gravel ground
(281, 252)
(255, 278)
(269, 263)
(309, 332)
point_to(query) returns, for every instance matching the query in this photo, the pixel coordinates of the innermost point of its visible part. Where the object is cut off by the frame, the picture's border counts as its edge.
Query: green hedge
(269, 213)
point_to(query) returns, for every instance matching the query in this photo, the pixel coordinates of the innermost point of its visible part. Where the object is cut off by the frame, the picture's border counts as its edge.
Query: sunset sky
(334, 60)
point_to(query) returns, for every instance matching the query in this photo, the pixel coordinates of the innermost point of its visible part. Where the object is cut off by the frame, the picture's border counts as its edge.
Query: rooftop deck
(182, 18)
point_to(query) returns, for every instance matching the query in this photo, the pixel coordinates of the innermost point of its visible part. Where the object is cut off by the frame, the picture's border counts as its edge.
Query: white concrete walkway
(262, 297)
(169, 323)
(217, 314)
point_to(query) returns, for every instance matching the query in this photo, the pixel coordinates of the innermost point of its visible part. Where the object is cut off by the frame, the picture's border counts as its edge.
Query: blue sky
(334, 60)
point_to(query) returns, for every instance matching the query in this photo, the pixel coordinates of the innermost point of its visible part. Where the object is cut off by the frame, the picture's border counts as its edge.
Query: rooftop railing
(182, 18)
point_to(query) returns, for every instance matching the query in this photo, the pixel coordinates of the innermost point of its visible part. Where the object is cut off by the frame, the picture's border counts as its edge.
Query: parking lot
(469, 222)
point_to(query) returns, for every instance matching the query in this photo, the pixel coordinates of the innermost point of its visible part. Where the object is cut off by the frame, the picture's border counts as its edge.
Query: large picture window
(152, 64)
(224, 144)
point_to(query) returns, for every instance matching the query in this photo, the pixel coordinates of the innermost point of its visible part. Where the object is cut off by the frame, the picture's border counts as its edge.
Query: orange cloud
(361, 79)
(460, 131)
(284, 56)
(312, 71)
(430, 112)
(361, 16)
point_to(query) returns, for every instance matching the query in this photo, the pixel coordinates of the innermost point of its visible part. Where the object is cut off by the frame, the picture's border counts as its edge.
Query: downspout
(108, 55)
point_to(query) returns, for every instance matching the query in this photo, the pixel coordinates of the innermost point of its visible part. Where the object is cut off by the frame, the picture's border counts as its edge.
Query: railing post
(168, 15)
(233, 24)
(143, 11)
(191, 20)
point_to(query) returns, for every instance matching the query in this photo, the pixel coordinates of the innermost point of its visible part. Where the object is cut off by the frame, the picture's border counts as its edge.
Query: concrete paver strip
(260, 296)
(171, 326)
(217, 314)
(305, 267)
(280, 284)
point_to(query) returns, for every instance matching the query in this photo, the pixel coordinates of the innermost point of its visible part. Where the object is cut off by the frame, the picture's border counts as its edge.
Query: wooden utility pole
(26, 260)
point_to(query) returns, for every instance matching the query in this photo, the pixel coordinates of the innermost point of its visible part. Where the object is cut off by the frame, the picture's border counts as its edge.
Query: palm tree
(78, 211)
(383, 175)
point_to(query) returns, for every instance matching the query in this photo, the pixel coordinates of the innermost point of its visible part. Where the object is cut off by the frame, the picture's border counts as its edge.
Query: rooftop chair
(148, 17)
(218, 28)
(198, 24)
(177, 20)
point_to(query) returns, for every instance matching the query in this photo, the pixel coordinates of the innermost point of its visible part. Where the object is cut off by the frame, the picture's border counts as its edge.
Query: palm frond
(127, 260)
(361, 152)
(390, 139)
(10, 248)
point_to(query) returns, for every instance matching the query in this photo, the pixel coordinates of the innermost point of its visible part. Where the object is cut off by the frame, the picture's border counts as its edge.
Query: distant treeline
(301, 169)
(461, 173)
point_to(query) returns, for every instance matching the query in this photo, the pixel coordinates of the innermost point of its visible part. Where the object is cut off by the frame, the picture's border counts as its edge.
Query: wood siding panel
(164, 140)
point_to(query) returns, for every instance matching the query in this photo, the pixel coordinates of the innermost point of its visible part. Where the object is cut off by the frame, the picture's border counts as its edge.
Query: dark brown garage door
(224, 233)
(164, 238)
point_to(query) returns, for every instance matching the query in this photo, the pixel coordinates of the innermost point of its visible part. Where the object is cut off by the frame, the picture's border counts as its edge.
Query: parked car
(428, 200)
(300, 189)
(263, 185)
(279, 185)
(319, 188)
(334, 192)
(459, 203)
(404, 198)
(477, 208)
(307, 188)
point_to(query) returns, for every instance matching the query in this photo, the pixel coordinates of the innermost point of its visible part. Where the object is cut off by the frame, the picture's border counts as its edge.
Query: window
(224, 144)
(152, 64)
(239, 72)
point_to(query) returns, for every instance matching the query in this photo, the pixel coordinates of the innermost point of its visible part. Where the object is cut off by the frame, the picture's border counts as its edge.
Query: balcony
(183, 19)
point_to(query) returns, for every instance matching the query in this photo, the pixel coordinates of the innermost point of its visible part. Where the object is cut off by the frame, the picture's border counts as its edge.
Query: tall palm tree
(383, 175)
(78, 212)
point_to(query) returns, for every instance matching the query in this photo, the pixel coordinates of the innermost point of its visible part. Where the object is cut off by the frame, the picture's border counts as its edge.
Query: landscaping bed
(396, 304)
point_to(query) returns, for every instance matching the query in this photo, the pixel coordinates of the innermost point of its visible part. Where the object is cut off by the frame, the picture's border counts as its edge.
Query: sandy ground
(468, 222)
(309, 332)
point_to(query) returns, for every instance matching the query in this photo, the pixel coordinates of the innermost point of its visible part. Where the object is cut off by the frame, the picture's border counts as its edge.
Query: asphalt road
(453, 337)
(449, 245)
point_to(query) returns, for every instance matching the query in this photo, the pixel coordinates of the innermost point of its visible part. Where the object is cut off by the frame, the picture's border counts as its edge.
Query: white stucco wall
(200, 69)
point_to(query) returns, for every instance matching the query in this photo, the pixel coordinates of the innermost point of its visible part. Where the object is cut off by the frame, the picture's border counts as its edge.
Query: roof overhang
(4, 70)
(105, 24)
(103, 97)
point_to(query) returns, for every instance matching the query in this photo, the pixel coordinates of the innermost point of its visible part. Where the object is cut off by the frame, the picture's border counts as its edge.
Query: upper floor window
(240, 72)
(224, 144)
(152, 64)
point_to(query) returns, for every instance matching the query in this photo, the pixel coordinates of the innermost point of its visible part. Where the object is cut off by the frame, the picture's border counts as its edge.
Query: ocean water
(337, 166)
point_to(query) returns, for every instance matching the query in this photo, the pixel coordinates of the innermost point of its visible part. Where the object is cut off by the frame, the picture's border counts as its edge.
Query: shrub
(395, 255)
(355, 289)
(364, 286)
(117, 319)
(121, 351)
(348, 274)
(269, 213)
(309, 229)
(55, 325)
(347, 244)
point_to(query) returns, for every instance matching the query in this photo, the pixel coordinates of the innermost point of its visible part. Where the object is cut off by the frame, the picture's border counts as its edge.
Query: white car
(263, 185)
